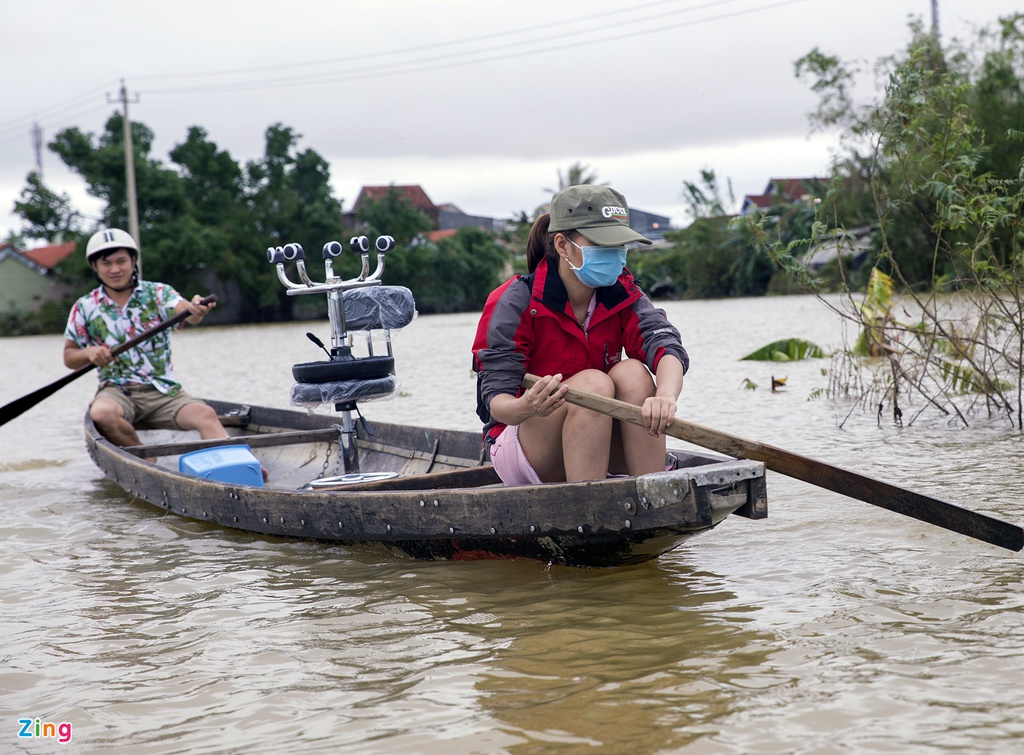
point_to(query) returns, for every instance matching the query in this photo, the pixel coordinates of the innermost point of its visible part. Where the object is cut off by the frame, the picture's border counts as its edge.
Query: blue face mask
(602, 265)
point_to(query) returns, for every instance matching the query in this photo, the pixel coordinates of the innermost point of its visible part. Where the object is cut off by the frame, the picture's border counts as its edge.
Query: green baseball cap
(599, 213)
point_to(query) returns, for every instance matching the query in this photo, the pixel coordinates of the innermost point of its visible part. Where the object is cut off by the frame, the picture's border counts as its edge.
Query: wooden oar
(852, 484)
(23, 404)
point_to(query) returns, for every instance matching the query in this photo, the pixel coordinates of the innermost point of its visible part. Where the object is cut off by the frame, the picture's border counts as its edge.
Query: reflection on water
(645, 656)
(831, 626)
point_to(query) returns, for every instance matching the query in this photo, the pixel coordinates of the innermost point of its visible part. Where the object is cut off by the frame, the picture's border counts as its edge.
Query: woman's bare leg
(636, 451)
(571, 443)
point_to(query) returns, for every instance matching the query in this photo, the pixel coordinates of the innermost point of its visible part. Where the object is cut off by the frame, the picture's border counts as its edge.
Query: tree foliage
(576, 174)
(47, 215)
(937, 167)
(206, 222)
(715, 256)
(457, 273)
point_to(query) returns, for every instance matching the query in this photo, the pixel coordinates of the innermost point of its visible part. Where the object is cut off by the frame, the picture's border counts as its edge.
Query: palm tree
(577, 174)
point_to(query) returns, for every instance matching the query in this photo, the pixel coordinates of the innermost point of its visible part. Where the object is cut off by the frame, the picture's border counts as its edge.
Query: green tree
(515, 236)
(937, 165)
(205, 223)
(704, 199)
(460, 271)
(943, 113)
(289, 200)
(218, 220)
(576, 174)
(714, 256)
(394, 215)
(47, 216)
(99, 161)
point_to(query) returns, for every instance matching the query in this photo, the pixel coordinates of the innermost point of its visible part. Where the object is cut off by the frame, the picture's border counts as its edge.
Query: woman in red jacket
(570, 320)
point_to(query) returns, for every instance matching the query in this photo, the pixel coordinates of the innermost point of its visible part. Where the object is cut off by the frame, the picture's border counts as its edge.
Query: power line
(69, 119)
(23, 122)
(417, 65)
(15, 129)
(632, 9)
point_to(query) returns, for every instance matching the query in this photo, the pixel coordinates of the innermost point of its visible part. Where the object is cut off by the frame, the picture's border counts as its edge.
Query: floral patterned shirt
(96, 319)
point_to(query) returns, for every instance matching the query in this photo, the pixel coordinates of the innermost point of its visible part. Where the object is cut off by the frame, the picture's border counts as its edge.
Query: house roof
(761, 200)
(51, 256)
(41, 260)
(793, 189)
(447, 233)
(783, 191)
(413, 193)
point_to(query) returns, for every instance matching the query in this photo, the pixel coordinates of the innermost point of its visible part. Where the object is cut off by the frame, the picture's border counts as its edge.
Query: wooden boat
(424, 492)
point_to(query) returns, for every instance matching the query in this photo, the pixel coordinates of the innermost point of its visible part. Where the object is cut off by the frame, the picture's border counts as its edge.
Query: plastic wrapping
(378, 308)
(371, 389)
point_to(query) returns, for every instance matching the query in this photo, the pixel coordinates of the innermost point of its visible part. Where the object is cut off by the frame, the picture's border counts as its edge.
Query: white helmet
(109, 238)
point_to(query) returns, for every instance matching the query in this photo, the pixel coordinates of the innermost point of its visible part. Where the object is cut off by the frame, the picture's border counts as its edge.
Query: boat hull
(442, 504)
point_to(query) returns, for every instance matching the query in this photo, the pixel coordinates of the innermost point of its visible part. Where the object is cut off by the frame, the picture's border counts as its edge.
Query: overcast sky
(481, 103)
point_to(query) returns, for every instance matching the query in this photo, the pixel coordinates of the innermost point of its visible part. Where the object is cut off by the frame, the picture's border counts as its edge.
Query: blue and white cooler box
(231, 464)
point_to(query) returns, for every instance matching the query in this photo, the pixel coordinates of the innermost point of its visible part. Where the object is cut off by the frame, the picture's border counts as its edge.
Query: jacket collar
(549, 289)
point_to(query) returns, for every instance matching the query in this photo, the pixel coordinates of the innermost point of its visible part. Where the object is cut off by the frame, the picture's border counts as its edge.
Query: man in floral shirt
(138, 387)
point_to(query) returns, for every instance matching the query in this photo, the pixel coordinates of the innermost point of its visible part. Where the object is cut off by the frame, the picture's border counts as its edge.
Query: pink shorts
(509, 460)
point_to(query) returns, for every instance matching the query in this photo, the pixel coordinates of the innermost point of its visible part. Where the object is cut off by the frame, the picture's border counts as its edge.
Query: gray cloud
(639, 95)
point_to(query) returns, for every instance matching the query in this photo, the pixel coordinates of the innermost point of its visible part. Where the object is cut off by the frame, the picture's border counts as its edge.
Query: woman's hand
(546, 395)
(658, 413)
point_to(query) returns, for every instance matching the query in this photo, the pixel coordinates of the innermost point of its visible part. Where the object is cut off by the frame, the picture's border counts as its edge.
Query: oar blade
(855, 485)
(21, 405)
(821, 474)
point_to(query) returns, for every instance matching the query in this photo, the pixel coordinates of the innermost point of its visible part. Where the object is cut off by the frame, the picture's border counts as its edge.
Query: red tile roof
(793, 189)
(413, 193)
(761, 200)
(51, 256)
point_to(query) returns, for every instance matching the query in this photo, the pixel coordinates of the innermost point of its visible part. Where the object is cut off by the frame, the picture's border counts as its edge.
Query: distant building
(27, 280)
(648, 224)
(438, 235)
(447, 216)
(450, 217)
(784, 191)
(412, 193)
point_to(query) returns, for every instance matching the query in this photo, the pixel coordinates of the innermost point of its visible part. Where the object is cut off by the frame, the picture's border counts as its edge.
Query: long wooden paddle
(23, 404)
(852, 484)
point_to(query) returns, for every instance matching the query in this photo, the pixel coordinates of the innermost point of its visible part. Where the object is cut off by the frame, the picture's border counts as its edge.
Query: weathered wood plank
(265, 440)
(460, 478)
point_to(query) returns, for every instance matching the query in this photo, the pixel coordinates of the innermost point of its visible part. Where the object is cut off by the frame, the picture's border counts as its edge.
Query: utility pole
(129, 172)
(37, 145)
(935, 20)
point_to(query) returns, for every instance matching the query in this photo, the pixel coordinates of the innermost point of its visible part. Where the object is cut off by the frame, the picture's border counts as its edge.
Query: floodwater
(831, 627)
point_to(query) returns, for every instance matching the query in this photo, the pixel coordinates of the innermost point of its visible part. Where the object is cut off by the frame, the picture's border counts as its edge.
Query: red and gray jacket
(528, 325)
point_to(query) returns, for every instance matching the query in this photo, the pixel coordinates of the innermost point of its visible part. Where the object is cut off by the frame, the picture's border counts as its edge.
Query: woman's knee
(593, 381)
(632, 380)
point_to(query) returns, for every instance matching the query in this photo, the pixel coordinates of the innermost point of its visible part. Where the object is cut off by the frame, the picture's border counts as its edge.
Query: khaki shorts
(146, 407)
